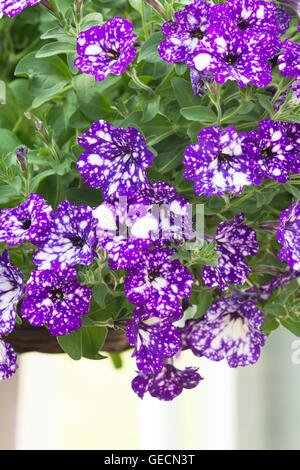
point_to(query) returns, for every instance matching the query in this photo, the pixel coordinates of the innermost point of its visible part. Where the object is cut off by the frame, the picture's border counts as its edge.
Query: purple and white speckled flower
(289, 59)
(106, 49)
(247, 15)
(199, 81)
(230, 329)
(283, 20)
(288, 235)
(234, 241)
(115, 159)
(217, 163)
(232, 54)
(166, 384)
(154, 338)
(114, 218)
(55, 298)
(272, 152)
(185, 33)
(157, 279)
(27, 221)
(292, 132)
(8, 359)
(11, 291)
(14, 7)
(71, 239)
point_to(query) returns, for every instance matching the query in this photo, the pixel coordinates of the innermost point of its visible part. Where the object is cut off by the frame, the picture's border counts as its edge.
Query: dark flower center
(231, 59)
(267, 153)
(224, 157)
(77, 241)
(114, 54)
(242, 25)
(26, 224)
(235, 315)
(197, 34)
(57, 294)
(153, 275)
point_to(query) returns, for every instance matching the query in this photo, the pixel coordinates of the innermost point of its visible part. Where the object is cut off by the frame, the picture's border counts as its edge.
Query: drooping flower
(166, 384)
(264, 291)
(11, 290)
(115, 219)
(288, 235)
(247, 15)
(199, 81)
(27, 221)
(159, 281)
(292, 132)
(230, 329)
(272, 152)
(14, 7)
(185, 33)
(217, 163)
(54, 297)
(71, 238)
(232, 54)
(154, 338)
(115, 160)
(106, 49)
(234, 241)
(8, 359)
(289, 59)
(283, 20)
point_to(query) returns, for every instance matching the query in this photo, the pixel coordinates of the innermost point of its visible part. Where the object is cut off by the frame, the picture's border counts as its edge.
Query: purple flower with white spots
(264, 291)
(283, 20)
(8, 359)
(115, 160)
(157, 279)
(11, 291)
(14, 7)
(71, 239)
(292, 132)
(234, 241)
(106, 49)
(55, 298)
(114, 218)
(230, 329)
(217, 163)
(166, 384)
(272, 152)
(160, 193)
(247, 15)
(27, 221)
(199, 81)
(154, 338)
(289, 59)
(288, 235)
(185, 33)
(232, 54)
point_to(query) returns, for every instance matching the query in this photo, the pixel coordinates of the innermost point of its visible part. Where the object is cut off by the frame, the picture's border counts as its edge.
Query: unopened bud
(157, 6)
(21, 156)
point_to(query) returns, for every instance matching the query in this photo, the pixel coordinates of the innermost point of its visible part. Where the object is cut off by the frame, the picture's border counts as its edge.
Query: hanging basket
(26, 338)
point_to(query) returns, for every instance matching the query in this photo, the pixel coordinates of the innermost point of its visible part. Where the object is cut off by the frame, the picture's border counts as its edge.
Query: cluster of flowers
(231, 41)
(224, 160)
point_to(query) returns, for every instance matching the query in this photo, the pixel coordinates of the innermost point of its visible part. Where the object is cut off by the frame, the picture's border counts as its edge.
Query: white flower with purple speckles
(71, 239)
(115, 159)
(185, 33)
(154, 338)
(55, 298)
(27, 221)
(157, 279)
(234, 241)
(106, 49)
(8, 359)
(166, 384)
(247, 15)
(217, 163)
(230, 329)
(114, 216)
(235, 55)
(288, 235)
(272, 152)
(11, 290)
(14, 7)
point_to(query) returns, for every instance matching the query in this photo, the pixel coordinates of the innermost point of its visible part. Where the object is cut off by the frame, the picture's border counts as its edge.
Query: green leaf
(90, 20)
(116, 359)
(276, 309)
(100, 293)
(292, 326)
(92, 341)
(183, 92)
(150, 106)
(71, 344)
(54, 48)
(270, 324)
(206, 255)
(204, 302)
(9, 142)
(148, 51)
(37, 179)
(198, 113)
(293, 189)
(265, 102)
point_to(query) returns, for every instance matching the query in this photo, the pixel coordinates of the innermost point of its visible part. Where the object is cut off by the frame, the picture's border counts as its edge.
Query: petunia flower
(11, 291)
(288, 235)
(8, 359)
(14, 7)
(54, 297)
(106, 49)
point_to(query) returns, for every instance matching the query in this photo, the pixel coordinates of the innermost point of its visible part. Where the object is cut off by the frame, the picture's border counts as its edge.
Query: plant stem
(132, 74)
(145, 27)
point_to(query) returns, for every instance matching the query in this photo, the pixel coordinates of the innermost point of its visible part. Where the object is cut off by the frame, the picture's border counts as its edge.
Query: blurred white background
(56, 403)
